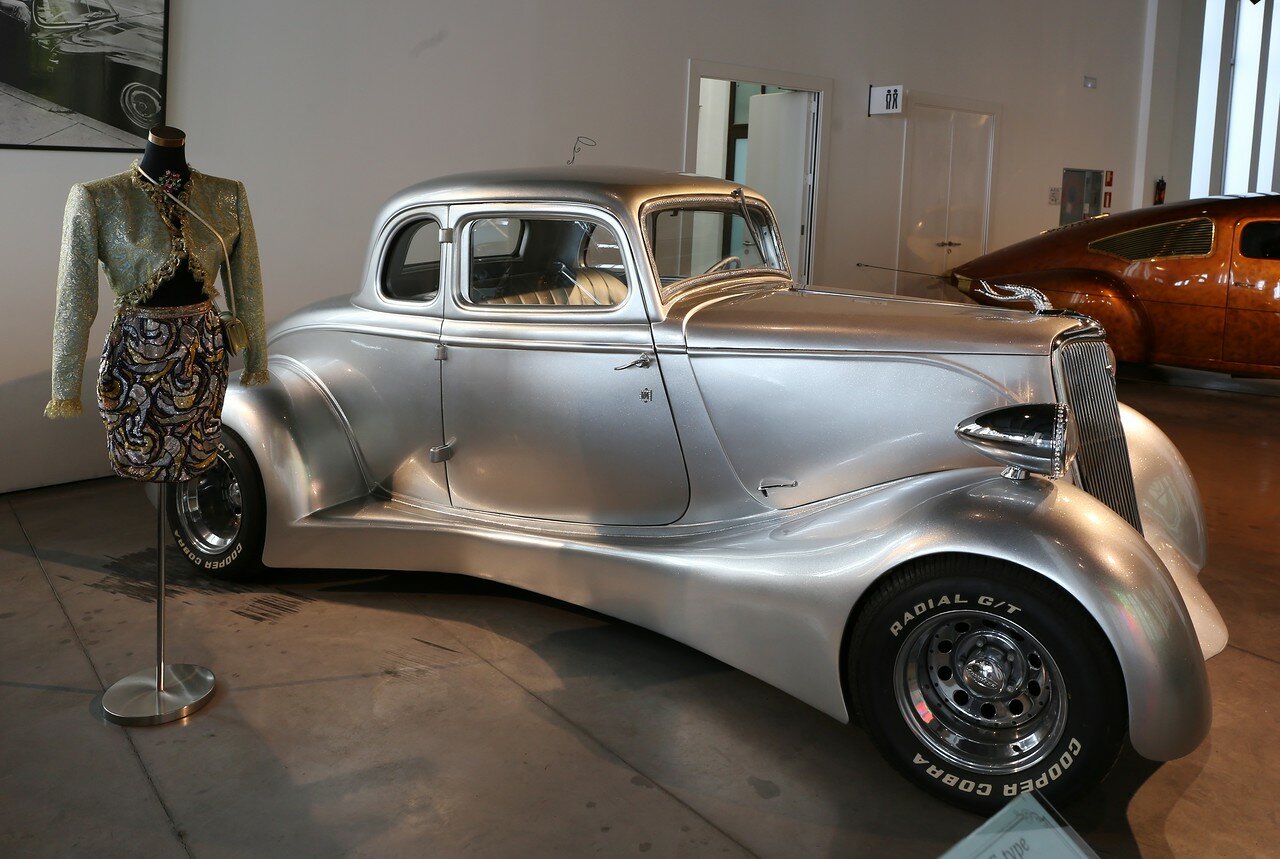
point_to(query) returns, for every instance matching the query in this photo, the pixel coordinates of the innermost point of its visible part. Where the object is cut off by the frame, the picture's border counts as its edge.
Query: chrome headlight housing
(1035, 437)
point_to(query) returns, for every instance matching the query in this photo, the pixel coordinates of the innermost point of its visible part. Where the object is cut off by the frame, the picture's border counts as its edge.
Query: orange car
(1194, 284)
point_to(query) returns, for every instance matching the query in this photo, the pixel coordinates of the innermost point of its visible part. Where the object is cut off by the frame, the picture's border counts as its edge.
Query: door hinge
(446, 236)
(442, 352)
(442, 452)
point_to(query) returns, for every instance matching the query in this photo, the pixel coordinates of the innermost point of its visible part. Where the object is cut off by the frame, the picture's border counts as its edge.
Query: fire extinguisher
(1158, 200)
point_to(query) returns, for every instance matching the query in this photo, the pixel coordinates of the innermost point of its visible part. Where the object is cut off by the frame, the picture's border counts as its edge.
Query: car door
(1252, 334)
(553, 400)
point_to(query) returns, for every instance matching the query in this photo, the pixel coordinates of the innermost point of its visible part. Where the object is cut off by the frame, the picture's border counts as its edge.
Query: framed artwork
(82, 74)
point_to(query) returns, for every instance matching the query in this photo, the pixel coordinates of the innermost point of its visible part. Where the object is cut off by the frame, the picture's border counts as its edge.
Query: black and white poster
(81, 74)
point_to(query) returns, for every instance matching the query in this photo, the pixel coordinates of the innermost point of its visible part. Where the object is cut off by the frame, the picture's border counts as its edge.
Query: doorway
(761, 129)
(948, 159)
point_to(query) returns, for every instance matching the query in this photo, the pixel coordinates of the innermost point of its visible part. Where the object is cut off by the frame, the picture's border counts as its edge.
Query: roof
(610, 187)
(1235, 205)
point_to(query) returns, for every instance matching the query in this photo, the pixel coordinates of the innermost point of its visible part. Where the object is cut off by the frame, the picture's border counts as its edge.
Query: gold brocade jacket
(115, 220)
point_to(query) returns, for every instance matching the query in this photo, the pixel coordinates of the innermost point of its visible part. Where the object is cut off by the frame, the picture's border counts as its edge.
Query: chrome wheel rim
(141, 104)
(980, 691)
(210, 509)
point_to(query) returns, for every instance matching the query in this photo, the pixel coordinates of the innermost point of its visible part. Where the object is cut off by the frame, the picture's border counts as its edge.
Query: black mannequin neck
(170, 155)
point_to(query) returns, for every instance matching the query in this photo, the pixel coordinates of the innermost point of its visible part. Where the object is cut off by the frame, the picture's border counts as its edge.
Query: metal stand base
(134, 700)
(167, 692)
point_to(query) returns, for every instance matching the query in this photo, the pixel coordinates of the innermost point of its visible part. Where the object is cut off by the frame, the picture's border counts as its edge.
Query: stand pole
(165, 693)
(162, 527)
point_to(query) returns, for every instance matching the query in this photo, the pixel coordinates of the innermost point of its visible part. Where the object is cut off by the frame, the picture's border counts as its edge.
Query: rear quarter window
(411, 266)
(1190, 238)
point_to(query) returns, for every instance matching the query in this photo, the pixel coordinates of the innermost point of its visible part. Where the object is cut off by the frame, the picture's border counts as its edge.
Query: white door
(946, 195)
(780, 166)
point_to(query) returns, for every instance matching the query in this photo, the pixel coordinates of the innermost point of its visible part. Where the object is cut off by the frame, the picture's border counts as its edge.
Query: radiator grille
(1103, 458)
(1191, 238)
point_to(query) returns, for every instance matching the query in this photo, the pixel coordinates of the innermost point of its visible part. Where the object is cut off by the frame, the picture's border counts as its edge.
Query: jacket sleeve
(247, 274)
(77, 301)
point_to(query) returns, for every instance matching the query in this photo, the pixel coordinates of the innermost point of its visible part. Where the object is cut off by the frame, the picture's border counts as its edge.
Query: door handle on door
(644, 360)
(442, 452)
(1246, 284)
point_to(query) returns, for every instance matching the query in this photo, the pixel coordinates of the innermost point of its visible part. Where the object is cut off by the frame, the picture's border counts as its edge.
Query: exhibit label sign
(1023, 829)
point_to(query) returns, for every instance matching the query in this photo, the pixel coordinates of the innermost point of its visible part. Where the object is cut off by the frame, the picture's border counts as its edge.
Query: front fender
(1071, 538)
(1173, 521)
(300, 444)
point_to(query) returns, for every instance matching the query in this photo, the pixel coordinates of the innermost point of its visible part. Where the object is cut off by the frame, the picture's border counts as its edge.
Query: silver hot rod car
(603, 386)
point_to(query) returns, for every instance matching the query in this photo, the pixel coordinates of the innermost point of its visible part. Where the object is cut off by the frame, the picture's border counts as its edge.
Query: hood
(820, 319)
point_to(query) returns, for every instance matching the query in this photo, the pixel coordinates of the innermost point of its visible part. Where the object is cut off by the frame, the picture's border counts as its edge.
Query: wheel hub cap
(209, 509)
(981, 691)
(984, 674)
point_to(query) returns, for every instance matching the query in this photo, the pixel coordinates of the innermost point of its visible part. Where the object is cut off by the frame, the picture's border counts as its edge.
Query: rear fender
(300, 443)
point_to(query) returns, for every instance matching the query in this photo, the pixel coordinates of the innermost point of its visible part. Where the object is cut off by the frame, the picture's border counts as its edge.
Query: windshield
(59, 13)
(689, 241)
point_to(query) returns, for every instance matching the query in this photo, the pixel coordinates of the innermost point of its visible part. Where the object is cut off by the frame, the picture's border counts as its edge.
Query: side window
(411, 265)
(543, 262)
(1260, 240)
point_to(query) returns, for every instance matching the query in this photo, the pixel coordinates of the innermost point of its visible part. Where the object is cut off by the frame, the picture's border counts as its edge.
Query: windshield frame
(715, 202)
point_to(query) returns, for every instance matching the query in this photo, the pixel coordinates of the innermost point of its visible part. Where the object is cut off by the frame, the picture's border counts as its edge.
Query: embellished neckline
(156, 193)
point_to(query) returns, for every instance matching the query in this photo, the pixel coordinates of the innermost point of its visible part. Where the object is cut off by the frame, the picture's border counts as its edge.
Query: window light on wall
(1250, 61)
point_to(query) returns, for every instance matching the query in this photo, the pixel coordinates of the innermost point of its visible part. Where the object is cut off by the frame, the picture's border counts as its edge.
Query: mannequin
(162, 232)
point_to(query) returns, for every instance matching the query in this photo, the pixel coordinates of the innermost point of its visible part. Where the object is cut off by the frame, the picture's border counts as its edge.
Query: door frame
(946, 102)
(822, 89)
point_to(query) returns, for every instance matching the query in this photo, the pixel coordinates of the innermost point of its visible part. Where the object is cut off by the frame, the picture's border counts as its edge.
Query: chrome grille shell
(1102, 462)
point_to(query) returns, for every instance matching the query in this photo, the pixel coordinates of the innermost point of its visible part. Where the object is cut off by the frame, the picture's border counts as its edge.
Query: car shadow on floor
(835, 762)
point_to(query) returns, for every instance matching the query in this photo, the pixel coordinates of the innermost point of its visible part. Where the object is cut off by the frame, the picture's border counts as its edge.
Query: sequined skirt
(161, 384)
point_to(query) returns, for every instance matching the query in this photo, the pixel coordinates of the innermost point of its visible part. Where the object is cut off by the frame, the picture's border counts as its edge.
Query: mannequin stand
(165, 693)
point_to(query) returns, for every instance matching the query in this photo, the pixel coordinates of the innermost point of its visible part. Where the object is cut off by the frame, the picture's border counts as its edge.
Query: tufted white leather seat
(592, 287)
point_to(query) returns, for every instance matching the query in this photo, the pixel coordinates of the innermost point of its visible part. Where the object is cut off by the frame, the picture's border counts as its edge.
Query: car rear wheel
(980, 680)
(218, 518)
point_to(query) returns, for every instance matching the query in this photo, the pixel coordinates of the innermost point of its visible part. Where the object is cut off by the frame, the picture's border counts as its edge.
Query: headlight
(1037, 437)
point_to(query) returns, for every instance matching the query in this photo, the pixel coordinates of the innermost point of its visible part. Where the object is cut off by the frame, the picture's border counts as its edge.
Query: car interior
(545, 262)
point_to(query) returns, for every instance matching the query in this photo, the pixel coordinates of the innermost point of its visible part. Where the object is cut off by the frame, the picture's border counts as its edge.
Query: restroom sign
(886, 99)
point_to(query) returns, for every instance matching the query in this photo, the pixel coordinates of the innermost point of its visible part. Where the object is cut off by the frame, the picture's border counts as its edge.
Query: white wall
(325, 108)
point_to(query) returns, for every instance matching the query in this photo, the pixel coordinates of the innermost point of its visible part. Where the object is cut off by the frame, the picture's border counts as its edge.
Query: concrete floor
(422, 714)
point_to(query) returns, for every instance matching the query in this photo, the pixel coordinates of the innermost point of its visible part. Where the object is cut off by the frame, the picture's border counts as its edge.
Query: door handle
(1248, 284)
(644, 360)
(443, 452)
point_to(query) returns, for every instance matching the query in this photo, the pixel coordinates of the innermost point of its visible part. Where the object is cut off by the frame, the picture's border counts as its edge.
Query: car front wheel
(980, 680)
(218, 518)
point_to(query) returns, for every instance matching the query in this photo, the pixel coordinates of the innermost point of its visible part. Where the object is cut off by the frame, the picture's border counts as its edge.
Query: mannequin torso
(166, 153)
